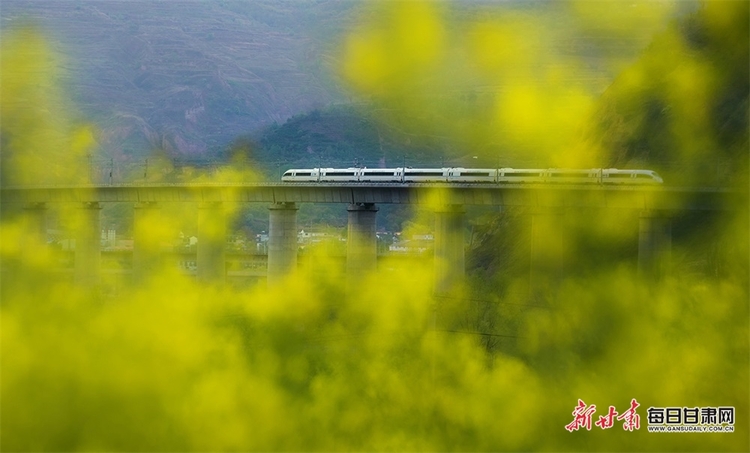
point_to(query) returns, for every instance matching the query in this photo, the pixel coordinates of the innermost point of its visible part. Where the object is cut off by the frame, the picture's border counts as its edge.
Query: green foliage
(647, 119)
(682, 108)
(343, 136)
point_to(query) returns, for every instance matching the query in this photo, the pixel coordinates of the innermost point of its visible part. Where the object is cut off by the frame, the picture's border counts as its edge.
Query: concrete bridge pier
(282, 241)
(450, 262)
(88, 246)
(361, 247)
(36, 216)
(212, 232)
(146, 240)
(547, 260)
(654, 244)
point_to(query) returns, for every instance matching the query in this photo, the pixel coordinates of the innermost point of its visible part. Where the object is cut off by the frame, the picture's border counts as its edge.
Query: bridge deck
(597, 196)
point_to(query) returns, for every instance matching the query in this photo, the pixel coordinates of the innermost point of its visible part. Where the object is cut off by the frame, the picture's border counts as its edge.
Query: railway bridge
(448, 201)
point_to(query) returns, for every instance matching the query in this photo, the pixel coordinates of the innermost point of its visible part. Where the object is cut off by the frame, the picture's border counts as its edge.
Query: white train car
(472, 175)
(475, 175)
(301, 175)
(616, 176)
(521, 176)
(339, 174)
(382, 174)
(426, 174)
(573, 176)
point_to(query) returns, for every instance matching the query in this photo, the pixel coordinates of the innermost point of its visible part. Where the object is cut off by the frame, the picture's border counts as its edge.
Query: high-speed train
(474, 175)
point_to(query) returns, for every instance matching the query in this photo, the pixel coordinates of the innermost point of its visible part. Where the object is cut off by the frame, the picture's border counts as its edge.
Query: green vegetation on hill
(344, 136)
(682, 108)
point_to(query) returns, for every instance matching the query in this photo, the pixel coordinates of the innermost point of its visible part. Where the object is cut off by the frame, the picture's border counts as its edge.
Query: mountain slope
(188, 77)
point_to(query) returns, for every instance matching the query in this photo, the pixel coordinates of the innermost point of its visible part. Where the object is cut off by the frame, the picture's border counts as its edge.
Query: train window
(340, 173)
(570, 175)
(476, 173)
(304, 173)
(523, 174)
(424, 173)
(640, 175)
(619, 175)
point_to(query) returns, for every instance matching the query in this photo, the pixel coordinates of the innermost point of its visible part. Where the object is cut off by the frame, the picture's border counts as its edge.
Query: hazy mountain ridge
(347, 135)
(188, 77)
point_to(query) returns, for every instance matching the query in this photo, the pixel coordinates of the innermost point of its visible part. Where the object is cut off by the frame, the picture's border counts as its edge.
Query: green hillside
(343, 136)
